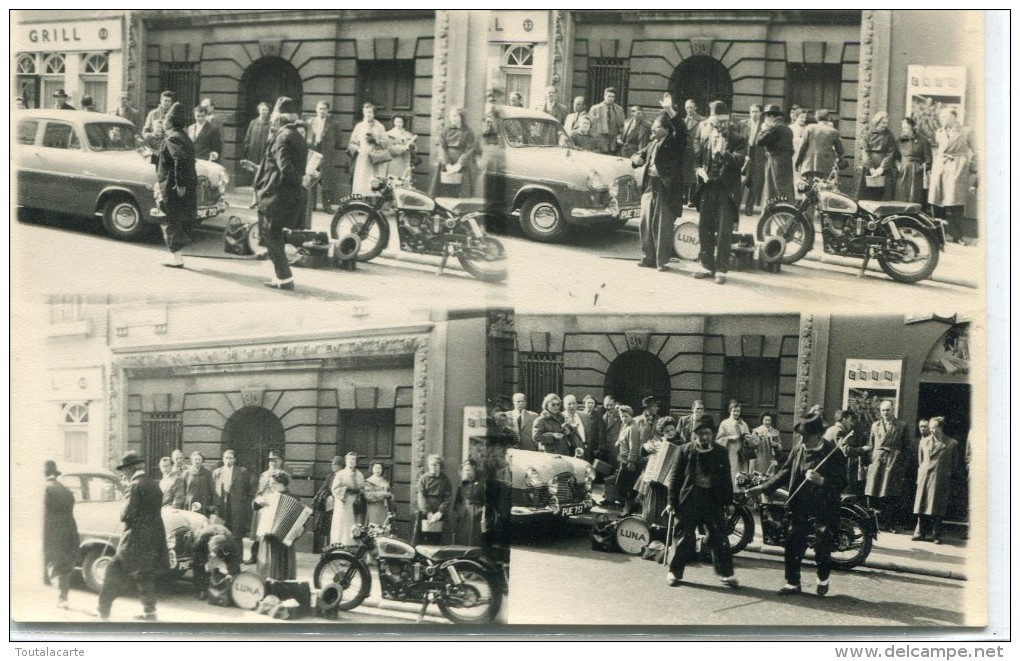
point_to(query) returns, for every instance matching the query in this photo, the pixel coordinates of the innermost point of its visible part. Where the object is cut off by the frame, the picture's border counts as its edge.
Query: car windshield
(535, 132)
(109, 136)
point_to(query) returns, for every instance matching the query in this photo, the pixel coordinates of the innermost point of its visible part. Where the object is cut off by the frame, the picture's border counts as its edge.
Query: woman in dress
(368, 135)
(654, 495)
(582, 137)
(469, 506)
(378, 497)
(766, 443)
(950, 171)
(434, 497)
(275, 559)
(347, 485)
(457, 153)
(913, 158)
(879, 160)
(402, 148)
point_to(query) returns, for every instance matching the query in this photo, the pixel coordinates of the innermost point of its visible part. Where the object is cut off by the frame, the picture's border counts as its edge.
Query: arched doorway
(636, 374)
(251, 433)
(702, 78)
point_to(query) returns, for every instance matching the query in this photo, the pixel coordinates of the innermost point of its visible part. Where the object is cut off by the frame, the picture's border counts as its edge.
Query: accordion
(661, 463)
(289, 519)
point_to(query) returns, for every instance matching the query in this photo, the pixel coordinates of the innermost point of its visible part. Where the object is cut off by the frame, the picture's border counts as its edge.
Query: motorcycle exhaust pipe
(330, 596)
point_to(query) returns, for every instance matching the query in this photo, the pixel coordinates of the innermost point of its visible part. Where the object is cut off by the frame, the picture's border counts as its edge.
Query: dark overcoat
(142, 547)
(279, 182)
(732, 162)
(715, 462)
(544, 427)
(60, 533)
(669, 163)
(175, 167)
(234, 505)
(778, 143)
(198, 488)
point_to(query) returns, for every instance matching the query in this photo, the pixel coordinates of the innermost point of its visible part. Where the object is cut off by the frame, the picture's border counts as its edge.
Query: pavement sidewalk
(891, 552)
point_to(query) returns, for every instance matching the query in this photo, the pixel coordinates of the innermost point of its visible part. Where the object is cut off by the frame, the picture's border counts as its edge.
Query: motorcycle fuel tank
(406, 199)
(394, 549)
(834, 202)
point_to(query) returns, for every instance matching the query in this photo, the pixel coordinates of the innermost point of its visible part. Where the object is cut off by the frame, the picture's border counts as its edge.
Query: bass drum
(632, 535)
(247, 589)
(686, 244)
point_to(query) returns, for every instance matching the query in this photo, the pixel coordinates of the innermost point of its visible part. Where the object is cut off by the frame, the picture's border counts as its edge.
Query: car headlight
(222, 183)
(171, 541)
(614, 190)
(595, 180)
(533, 479)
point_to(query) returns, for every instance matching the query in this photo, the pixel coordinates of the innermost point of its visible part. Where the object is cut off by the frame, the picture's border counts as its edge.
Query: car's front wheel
(123, 220)
(94, 566)
(542, 220)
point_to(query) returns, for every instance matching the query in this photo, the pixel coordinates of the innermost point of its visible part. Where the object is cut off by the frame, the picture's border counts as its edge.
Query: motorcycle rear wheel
(740, 528)
(788, 222)
(477, 599)
(852, 545)
(484, 258)
(368, 224)
(920, 249)
(347, 571)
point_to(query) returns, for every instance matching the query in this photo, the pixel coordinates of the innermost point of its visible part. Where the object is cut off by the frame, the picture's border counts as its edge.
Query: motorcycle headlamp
(378, 184)
(802, 186)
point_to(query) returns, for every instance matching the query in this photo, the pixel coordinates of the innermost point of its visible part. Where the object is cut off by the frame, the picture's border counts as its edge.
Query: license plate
(572, 510)
(208, 213)
(630, 213)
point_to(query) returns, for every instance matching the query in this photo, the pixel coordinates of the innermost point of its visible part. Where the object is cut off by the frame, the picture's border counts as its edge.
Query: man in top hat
(607, 121)
(777, 140)
(635, 133)
(60, 533)
(281, 188)
(701, 493)
(720, 157)
(662, 198)
(232, 486)
(60, 100)
(142, 553)
(814, 474)
(552, 105)
(264, 488)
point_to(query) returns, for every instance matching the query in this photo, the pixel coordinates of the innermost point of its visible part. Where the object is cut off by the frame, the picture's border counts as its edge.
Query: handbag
(380, 155)
(431, 526)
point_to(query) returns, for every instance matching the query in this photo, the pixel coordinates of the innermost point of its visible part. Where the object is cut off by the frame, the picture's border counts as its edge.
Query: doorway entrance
(251, 433)
(264, 81)
(702, 78)
(636, 374)
(952, 401)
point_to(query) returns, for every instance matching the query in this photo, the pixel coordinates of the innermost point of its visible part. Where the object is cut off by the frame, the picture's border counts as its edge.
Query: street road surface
(558, 579)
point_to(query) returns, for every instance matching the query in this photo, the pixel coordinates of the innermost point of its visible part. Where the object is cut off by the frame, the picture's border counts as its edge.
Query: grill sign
(101, 35)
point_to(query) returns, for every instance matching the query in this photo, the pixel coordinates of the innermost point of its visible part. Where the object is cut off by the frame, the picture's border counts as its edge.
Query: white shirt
(576, 421)
(226, 478)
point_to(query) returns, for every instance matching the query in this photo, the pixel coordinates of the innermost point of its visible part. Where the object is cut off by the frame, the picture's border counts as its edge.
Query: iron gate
(162, 433)
(541, 374)
(181, 78)
(606, 72)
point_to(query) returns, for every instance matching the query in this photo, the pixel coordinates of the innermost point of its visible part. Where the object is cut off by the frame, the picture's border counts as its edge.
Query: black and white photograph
(501, 323)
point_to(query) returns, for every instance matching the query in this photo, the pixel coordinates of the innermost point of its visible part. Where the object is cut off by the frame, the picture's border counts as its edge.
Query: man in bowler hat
(60, 533)
(60, 100)
(815, 474)
(141, 554)
(700, 493)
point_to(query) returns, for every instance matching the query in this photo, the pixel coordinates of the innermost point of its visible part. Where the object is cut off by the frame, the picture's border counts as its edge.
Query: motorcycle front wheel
(368, 224)
(740, 527)
(484, 258)
(476, 599)
(347, 571)
(788, 222)
(912, 258)
(852, 544)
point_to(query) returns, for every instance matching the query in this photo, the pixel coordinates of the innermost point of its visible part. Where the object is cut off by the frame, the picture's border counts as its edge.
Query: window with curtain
(95, 69)
(516, 69)
(75, 425)
(813, 86)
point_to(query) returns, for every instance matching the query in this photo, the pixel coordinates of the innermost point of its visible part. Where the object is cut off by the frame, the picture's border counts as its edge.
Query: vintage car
(99, 501)
(552, 186)
(545, 485)
(93, 164)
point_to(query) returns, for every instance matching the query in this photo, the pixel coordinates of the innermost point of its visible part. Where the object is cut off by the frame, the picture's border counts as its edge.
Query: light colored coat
(885, 474)
(937, 463)
(950, 169)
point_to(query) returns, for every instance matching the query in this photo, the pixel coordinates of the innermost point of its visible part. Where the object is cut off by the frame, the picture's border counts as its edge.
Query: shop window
(754, 382)
(541, 373)
(368, 432)
(606, 72)
(53, 63)
(518, 61)
(813, 86)
(389, 86)
(26, 64)
(95, 63)
(60, 136)
(75, 426)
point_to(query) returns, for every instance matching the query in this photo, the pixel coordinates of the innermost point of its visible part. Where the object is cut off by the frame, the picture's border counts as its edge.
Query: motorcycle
(905, 240)
(858, 525)
(423, 226)
(465, 585)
